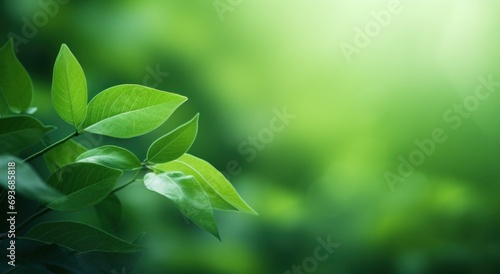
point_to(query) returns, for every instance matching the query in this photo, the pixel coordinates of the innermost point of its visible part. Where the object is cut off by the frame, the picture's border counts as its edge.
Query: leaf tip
(251, 211)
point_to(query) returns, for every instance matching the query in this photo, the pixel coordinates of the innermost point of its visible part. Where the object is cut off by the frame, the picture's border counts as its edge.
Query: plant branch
(45, 150)
(134, 178)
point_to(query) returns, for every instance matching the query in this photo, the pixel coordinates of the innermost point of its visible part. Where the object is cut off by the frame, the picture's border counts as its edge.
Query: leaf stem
(134, 178)
(45, 150)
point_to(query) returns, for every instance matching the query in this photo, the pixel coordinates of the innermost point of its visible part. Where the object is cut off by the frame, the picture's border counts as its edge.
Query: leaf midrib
(66, 69)
(179, 133)
(203, 177)
(125, 113)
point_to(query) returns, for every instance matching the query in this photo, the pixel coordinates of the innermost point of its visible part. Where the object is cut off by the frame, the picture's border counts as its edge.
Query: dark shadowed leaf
(37, 257)
(79, 237)
(139, 238)
(84, 184)
(15, 82)
(20, 132)
(31, 253)
(4, 107)
(63, 154)
(109, 212)
(27, 181)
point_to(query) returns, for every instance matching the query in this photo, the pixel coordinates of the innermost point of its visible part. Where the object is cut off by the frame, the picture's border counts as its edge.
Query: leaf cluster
(84, 177)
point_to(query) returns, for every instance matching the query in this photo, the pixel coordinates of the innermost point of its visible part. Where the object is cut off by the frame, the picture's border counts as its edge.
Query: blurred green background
(323, 175)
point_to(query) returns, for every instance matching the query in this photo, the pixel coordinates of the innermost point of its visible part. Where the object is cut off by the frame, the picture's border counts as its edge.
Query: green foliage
(4, 107)
(20, 132)
(39, 258)
(28, 183)
(15, 82)
(84, 184)
(68, 234)
(127, 111)
(81, 178)
(69, 88)
(174, 144)
(111, 156)
(109, 212)
(221, 193)
(188, 196)
(63, 154)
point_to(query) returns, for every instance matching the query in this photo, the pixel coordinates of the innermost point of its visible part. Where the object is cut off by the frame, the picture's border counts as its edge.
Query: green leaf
(127, 111)
(109, 212)
(84, 184)
(111, 156)
(40, 258)
(79, 237)
(69, 88)
(187, 194)
(4, 107)
(139, 238)
(15, 82)
(219, 189)
(63, 154)
(174, 144)
(20, 132)
(32, 253)
(27, 181)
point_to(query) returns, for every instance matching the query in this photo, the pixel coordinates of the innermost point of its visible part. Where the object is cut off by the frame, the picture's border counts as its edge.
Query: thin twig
(45, 150)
